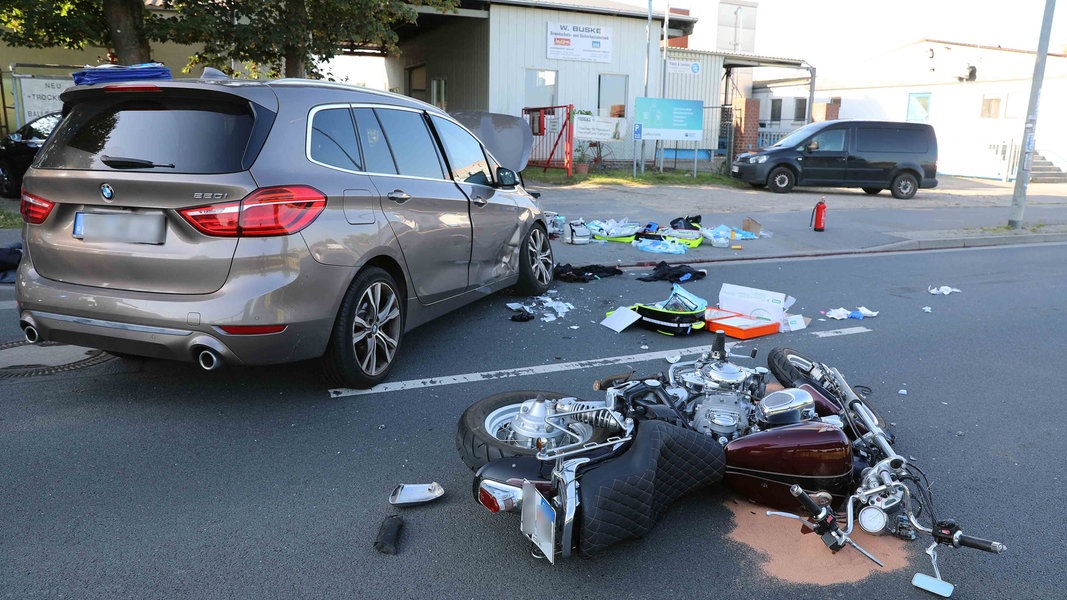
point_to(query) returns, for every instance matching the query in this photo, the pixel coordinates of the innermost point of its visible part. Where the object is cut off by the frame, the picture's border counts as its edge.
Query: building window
(990, 108)
(437, 94)
(918, 108)
(416, 80)
(800, 109)
(611, 97)
(540, 88)
(776, 111)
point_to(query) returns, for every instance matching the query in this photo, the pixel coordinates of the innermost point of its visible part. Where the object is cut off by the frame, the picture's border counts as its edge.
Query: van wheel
(366, 335)
(872, 191)
(781, 180)
(904, 186)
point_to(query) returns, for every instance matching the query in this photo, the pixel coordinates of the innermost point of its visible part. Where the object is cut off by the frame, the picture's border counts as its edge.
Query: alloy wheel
(539, 252)
(376, 328)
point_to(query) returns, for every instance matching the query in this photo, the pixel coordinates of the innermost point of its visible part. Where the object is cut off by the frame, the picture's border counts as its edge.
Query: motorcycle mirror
(406, 493)
(933, 585)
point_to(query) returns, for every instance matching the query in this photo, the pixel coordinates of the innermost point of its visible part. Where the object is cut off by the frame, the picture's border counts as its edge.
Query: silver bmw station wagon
(252, 223)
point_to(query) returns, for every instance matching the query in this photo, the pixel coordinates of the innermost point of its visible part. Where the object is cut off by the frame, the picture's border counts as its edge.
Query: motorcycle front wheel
(485, 431)
(791, 369)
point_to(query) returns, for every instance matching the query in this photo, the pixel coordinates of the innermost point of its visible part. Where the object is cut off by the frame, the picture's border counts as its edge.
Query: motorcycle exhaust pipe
(208, 359)
(31, 333)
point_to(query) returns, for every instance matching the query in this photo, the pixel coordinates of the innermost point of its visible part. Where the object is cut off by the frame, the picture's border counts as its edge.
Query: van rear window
(912, 141)
(195, 135)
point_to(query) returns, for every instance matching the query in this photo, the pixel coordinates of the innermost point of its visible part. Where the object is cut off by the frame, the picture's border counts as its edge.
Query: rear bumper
(178, 327)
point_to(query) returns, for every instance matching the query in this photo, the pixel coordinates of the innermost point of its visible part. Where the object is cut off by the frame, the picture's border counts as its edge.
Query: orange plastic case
(737, 325)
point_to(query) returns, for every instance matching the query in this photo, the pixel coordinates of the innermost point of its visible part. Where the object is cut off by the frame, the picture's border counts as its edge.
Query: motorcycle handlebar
(806, 501)
(979, 543)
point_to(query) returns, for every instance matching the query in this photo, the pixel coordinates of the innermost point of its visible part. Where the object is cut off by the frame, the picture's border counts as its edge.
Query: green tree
(286, 36)
(122, 25)
(272, 36)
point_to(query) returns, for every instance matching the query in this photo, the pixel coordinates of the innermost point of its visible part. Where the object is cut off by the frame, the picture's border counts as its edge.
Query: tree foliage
(270, 36)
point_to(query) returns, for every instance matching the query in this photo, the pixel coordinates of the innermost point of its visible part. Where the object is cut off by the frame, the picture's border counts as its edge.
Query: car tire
(367, 332)
(904, 186)
(9, 186)
(781, 180)
(872, 191)
(535, 263)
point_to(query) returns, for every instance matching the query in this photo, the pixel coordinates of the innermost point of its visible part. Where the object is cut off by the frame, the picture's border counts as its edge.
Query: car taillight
(265, 212)
(495, 500)
(35, 209)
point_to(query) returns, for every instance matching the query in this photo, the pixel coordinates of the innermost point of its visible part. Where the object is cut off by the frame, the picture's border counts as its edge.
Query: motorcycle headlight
(758, 159)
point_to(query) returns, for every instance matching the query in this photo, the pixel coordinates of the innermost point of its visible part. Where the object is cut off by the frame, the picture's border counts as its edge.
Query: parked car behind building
(253, 223)
(873, 155)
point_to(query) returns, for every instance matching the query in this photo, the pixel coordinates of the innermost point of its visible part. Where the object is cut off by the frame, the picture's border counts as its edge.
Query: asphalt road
(147, 479)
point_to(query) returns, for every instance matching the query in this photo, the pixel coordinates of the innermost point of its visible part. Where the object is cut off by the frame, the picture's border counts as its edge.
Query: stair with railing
(1043, 171)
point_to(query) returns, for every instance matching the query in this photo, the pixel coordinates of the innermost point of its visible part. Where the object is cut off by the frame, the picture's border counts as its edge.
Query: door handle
(479, 201)
(399, 196)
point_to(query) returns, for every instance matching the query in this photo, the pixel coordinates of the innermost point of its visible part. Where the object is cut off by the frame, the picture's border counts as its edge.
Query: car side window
(376, 153)
(333, 139)
(41, 128)
(465, 154)
(832, 140)
(413, 148)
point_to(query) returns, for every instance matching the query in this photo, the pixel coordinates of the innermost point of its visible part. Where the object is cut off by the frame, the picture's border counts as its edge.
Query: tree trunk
(296, 49)
(294, 62)
(125, 22)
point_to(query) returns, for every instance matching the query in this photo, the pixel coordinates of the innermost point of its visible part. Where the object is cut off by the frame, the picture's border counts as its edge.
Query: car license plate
(539, 521)
(127, 228)
(735, 169)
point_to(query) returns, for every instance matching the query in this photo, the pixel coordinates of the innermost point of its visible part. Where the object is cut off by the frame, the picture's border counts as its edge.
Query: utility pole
(1022, 176)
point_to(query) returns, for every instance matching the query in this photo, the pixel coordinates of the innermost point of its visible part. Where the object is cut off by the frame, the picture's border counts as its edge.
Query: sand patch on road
(798, 558)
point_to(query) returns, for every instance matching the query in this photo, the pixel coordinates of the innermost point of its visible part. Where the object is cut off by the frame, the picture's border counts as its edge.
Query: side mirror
(15, 137)
(506, 177)
(812, 146)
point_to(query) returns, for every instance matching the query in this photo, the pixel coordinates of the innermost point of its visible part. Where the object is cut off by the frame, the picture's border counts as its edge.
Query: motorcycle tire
(788, 374)
(478, 446)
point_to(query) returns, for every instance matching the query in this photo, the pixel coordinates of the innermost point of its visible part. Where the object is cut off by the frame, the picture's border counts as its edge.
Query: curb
(904, 246)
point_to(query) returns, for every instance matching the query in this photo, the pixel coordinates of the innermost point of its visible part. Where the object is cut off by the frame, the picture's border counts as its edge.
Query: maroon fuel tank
(814, 455)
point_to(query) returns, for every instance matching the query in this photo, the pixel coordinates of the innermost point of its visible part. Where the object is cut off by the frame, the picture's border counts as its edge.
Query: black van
(873, 155)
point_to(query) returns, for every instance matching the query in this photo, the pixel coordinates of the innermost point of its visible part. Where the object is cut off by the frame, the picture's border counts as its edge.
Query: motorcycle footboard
(623, 497)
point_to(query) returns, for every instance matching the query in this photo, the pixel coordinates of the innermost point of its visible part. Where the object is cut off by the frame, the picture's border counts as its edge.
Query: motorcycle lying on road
(587, 474)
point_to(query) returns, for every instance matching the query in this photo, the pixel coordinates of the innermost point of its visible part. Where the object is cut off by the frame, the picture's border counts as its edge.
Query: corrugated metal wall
(706, 86)
(518, 40)
(457, 52)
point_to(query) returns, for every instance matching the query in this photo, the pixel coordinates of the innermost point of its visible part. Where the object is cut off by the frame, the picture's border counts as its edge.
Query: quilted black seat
(623, 497)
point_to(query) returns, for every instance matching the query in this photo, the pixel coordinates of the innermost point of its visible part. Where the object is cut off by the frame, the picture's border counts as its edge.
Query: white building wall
(518, 41)
(969, 144)
(705, 86)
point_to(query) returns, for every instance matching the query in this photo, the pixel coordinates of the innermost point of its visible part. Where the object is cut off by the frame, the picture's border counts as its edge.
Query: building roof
(604, 7)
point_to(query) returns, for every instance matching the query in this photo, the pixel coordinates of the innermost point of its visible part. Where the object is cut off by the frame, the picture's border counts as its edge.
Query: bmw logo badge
(107, 192)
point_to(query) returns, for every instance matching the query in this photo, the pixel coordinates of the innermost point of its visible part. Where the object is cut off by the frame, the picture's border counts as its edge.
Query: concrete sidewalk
(959, 213)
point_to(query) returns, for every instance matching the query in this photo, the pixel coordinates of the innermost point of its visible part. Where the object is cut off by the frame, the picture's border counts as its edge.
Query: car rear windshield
(166, 134)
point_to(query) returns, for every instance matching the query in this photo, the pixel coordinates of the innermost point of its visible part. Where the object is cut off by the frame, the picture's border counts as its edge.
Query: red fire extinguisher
(818, 215)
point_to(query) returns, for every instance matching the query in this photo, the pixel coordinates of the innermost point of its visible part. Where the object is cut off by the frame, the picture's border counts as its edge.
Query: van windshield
(794, 139)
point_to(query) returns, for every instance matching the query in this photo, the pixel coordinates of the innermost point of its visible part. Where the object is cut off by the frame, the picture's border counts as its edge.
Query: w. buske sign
(668, 119)
(587, 43)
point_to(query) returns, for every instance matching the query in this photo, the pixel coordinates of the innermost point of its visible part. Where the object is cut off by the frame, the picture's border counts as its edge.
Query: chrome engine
(728, 401)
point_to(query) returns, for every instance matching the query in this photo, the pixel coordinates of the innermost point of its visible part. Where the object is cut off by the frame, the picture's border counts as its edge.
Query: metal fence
(553, 146)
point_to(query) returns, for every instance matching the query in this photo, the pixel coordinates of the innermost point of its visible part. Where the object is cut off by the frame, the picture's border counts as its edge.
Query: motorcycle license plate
(539, 521)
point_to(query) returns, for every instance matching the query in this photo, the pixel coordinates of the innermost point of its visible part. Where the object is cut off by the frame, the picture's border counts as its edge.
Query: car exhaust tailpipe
(32, 336)
(209, 359)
